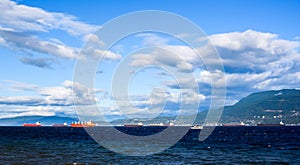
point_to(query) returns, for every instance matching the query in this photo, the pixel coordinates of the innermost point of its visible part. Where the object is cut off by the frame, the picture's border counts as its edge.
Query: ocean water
(226, 145)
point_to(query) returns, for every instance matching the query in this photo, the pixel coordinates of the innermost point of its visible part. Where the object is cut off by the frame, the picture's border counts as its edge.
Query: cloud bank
(23, 28)
(47, 100)
(253, 61)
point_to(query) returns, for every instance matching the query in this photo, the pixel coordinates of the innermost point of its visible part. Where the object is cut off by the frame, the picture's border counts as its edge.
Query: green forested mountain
(263, 107)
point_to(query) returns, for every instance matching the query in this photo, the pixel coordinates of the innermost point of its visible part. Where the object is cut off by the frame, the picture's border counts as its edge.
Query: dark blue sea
(226, 145)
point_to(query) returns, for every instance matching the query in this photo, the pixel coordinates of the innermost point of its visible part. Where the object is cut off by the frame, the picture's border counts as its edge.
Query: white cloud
(284, 81)
(27, 43)
(180, 57)
(151, 39)
(253, 40)
(107, 55)
(21, 86)
(297, 38)
(38, 62)
(187, 96)
(95, 48)
(142, 60)
(253, 61)
(146, 106)
(57, 95)
(20, 111)
(93, 39)
(181, 83)
(186, 53)
(94, 52)
(20, 100)
(46, 101)
(21, 27)
(253, 50)
(81, 94)
(232, 79)
(51, 96)
(28, 113)
(21, 18)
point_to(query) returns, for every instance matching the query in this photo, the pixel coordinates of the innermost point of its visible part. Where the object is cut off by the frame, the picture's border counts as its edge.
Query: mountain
(263, 107)
(45, 120)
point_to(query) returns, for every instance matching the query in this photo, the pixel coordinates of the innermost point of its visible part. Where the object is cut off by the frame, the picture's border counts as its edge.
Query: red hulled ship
(37, 124)
(60, 125)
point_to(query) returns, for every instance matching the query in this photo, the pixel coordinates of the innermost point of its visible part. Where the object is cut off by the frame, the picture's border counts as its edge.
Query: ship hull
(269, 125)
(132, 125)
(31, 125)
(233, 125)
(59, 125)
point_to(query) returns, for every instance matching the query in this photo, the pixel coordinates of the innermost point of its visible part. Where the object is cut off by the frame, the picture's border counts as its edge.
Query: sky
(42, 41)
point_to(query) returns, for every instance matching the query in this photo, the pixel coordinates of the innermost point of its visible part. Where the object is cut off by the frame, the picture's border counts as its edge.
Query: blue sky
(213, 17)
(258, 42)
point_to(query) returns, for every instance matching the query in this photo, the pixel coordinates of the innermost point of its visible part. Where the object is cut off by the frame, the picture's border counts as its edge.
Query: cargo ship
(156, 125)
(271, 125)
(197, 127)
(234, 124)
(60, 125)
(37, 124)
(83, 124)
(160, 125)
(133, 125)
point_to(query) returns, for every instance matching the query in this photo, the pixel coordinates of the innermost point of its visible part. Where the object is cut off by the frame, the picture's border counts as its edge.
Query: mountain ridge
(45, 120)
(262, 107)
(270, 106)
